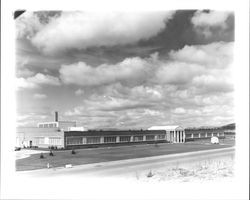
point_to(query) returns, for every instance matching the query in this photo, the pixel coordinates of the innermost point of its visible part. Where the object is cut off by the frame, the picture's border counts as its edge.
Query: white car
(214, 140)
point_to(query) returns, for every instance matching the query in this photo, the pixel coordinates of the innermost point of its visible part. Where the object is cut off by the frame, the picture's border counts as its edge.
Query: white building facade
(174, 134)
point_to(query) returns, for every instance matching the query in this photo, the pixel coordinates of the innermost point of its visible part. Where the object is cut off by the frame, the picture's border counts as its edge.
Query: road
(129, 167)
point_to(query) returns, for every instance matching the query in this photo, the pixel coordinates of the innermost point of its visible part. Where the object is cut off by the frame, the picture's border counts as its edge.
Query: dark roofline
(121, 132)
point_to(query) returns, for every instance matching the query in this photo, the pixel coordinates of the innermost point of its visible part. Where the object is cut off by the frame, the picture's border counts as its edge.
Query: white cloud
(214, 55)
(214, 83)
(178, 72)
(24, 72)
(79, 92)
(80, 30)
(187, 68)
(212, 18)
(204, 22)
(179, 111)
(27, 25)
(130, 71)
(40, 96)
(37, 80)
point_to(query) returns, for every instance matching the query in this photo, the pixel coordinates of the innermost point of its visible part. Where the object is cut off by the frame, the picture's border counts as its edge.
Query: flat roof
(164, 127)
(115, 133)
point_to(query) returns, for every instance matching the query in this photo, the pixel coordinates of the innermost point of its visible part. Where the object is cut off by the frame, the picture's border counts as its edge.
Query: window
(55, 141)
(138, 138)
(188, 135)
(39, 140)
(196, 135)
(150, 137)
(209, 134)
(203, 135)
(93, 140)
(124, 138)
(109, 139)
(74, 140)
(161, 137)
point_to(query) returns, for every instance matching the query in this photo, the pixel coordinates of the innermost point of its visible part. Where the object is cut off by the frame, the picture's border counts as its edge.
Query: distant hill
(224, 127)
(229, 126)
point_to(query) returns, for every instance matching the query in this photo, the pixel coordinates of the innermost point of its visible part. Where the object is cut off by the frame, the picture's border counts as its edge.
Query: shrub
(150, 174)
(41, 155)
(51, 153)
(73, 151)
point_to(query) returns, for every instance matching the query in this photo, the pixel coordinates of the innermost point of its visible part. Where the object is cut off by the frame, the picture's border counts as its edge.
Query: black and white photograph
(142, 97)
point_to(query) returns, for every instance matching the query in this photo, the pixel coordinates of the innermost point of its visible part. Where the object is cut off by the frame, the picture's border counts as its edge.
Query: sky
(125, 70)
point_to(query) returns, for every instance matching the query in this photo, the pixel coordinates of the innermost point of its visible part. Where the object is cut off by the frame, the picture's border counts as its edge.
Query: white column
(144, 137)
(184, 136)
(156, 138)
(102, 140)
(117, 138)
(177, 138)
(131, 138)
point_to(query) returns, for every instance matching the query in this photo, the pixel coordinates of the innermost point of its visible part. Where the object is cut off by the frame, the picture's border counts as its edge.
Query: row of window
(50, 141)
(110, 139)
(197, 135)
(49, 125)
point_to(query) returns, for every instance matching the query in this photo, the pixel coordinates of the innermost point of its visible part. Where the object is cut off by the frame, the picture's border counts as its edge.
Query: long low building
(99, 137)
(65, 134)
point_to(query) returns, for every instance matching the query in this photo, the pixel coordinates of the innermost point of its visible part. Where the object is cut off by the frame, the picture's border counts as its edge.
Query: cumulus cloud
(40, 96)
(204, 22)
(214, 55)
(27, 25)
(212, 18)
(37, 80)
(178, 72)
(179, 110)
(87, 29)
(213, 83)
(24, 72)
(198, 68)
(130, 71)
(79, 92)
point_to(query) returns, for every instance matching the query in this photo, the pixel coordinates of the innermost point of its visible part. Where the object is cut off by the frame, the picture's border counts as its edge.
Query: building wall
(64, 125)
(85, 138)
(195, 134)
(40, 137)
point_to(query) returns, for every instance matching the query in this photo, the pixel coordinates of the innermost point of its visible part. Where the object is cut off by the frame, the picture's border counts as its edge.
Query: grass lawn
(95, 155)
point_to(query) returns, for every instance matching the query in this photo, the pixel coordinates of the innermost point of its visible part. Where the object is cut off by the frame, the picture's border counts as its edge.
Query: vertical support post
(177, 138)
(102, 140)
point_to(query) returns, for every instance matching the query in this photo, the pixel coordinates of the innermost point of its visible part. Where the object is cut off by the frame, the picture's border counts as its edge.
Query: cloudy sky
(125, 69)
